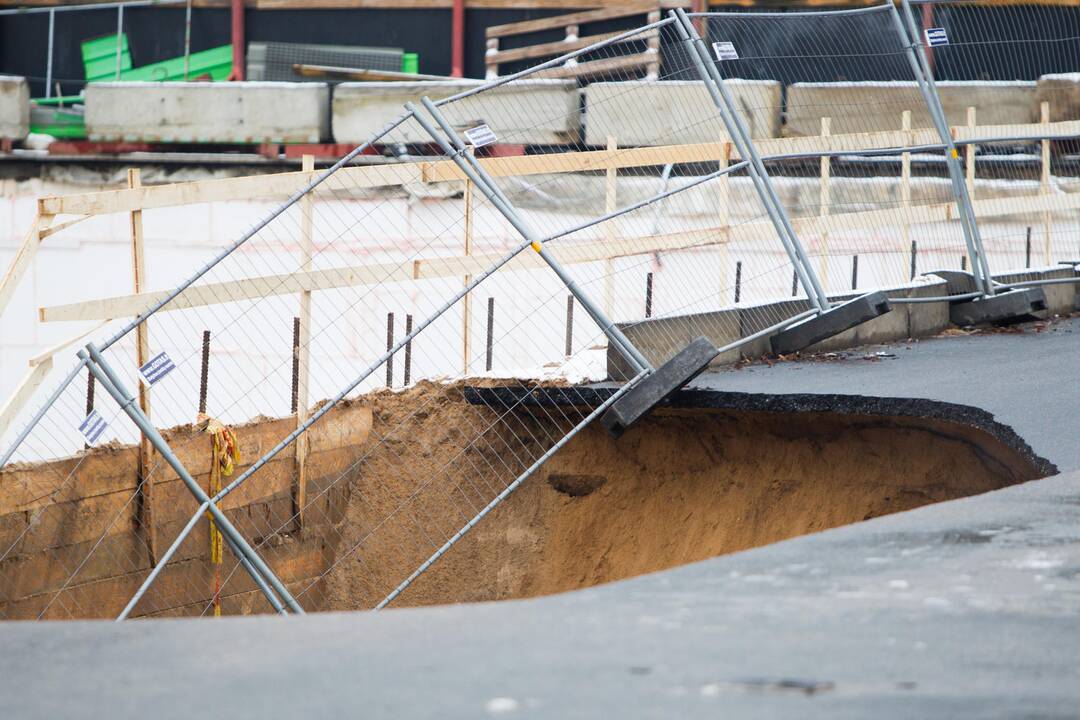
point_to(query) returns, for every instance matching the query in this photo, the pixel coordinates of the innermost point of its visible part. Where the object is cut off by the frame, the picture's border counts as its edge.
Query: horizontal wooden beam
(592, 68)
(285, 184)
(579, 18)
(558, 47)
(570, 253)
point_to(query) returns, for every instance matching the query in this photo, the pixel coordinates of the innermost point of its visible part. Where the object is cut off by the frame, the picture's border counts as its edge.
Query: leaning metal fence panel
(339, 342)
(648, 205)
(1003, 66)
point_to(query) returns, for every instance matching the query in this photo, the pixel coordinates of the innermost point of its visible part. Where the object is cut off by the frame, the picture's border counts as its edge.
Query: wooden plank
(307, 230)
(23, 392)
(824, 188)
(1044, 186)
(57, 227)
(454, 266)
(238, 290)
(285, 184)
(147, 524)
(969, 157)
(558, 47)
(222, 189)
(610, 203)
(905, 198)
(466, 305)
(23, 257)
(578, 18)
(592, 68)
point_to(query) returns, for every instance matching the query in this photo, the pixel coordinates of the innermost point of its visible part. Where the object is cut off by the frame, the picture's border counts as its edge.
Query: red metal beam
(237, 40)
(457, 39)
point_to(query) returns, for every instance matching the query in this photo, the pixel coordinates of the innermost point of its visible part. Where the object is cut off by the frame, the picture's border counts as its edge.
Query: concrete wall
(61, 511)
(14, 107)
(874, 106)
(1063, 93)
(530, 112)
(659, 339)
(641, 112)
(261, 112)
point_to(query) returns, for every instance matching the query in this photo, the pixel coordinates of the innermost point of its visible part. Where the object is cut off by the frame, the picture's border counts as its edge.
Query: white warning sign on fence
(480, 136)
(936, 37)
(93, 426)
(725, 51)
(158, 367)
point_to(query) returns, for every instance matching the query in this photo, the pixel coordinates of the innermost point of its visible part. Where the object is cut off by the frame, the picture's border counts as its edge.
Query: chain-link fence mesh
(339, 338)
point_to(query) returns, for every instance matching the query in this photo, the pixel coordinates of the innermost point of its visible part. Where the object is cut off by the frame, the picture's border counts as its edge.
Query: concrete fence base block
(690, 362)
(14, 107)
(661, 338)
(1006, 306)
(833, 322)
(235, 112)
(360, 109)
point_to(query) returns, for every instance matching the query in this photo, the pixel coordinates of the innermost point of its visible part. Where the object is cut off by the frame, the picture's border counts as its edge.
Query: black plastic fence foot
(1003, 307)
(832, 322)
(651, 391)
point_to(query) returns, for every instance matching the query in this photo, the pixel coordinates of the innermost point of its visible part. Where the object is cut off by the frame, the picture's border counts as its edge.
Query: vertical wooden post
(652, 44)
(1044, 186)
(142, 355)
(823, 202)
(907, 246)
(303, 349)
(969, 155)
(610, 200)
(723, 203)
(466, 302)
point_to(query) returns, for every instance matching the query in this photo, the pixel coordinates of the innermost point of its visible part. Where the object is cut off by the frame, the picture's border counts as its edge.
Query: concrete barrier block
(660, 339)
(14, 107)
(247, 112)
(1062, 91)
(525, 112)
(1060, 298)
(643, 112)
(875, 106)
(926, 319)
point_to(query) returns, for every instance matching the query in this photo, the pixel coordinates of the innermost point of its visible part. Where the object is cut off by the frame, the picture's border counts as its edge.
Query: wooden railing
(570, 24)
(136, 198)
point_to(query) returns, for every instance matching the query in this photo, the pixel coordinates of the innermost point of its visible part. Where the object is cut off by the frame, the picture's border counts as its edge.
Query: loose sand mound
(682, 486)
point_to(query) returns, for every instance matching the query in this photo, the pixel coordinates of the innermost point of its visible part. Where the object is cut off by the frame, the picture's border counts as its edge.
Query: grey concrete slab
(1026, 380)
(964, 609)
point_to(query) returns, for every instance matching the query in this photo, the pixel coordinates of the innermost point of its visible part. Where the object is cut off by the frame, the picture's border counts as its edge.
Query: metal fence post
(475, 172)
(104, 374)
(920, 67)
(48, 62)
(736, 128)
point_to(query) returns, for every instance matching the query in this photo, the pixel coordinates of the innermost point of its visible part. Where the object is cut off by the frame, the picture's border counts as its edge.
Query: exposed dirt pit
(682, 486)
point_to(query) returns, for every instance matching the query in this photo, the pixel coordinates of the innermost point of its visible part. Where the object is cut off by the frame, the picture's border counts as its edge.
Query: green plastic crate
(410, 63)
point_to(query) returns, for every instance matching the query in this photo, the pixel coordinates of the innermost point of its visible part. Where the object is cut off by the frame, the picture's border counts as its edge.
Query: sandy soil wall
(395, 474)
(686, 485)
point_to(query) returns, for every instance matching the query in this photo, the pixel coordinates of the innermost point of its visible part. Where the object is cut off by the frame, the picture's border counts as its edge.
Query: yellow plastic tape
(536, 246)
(955, 154)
